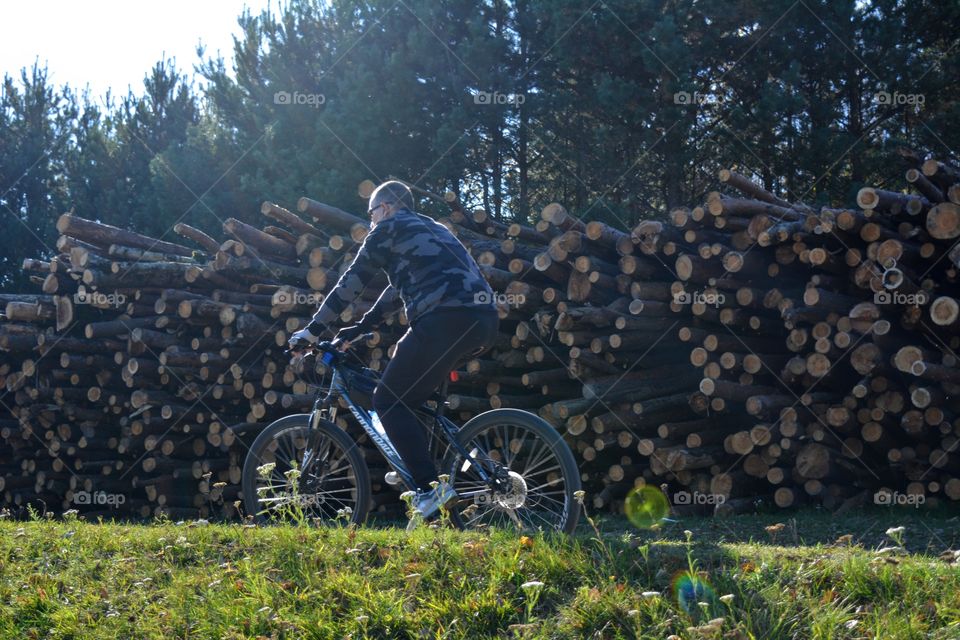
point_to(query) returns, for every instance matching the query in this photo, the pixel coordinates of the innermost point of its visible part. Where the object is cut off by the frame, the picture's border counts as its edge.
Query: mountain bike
(508, 467)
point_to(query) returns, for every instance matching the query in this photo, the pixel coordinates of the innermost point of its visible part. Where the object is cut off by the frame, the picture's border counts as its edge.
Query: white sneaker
(427, 503)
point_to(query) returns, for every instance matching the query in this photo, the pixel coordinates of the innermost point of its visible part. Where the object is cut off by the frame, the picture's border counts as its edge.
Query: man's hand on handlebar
(303, 341)
(348, 335)
(300, 341)
(343, 344)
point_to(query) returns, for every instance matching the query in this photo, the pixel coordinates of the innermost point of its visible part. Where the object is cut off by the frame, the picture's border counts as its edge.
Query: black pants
(425, 355)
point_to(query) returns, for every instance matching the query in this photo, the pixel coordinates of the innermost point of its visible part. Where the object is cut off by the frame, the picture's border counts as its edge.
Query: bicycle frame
(325, 407)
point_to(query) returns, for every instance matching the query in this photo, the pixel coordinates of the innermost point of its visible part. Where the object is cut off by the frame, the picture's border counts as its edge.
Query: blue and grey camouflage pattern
(426, 266)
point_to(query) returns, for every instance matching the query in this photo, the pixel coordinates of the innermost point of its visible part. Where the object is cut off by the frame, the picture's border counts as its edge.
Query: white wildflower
(265, 470)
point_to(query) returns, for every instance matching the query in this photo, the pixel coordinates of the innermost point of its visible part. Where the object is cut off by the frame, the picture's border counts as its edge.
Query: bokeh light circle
(690, 590)
(646, 506)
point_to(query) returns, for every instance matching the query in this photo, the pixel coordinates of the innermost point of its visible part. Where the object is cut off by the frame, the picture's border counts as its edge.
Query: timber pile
(138, 377)
(829, 333)
(749, 350)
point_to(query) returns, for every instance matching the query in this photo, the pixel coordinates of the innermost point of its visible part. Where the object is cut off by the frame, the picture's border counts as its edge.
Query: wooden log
(334, 218)
(555, 214)
(940, 173)
(29, 311)
(120, 326)
(289, 219)
(104, 235)
(747, 186)
(146, 274)
(132, 254)
(263, 242)
(922, 184)
(943, 221)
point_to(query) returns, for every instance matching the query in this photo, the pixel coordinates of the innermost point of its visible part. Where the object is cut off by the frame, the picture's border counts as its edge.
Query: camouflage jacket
(425, 264)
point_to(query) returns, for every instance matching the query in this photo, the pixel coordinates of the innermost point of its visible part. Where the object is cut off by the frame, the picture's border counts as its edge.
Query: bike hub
(516, 492)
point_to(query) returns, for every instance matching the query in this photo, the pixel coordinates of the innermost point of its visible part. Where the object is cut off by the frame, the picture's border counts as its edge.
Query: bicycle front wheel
(295, 473)
(537, 471)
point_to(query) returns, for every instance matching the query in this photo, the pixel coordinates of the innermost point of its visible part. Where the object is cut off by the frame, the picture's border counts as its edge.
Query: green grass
(71, 579)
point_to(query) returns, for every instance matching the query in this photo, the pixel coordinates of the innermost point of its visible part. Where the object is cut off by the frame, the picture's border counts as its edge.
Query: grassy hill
(805, 575)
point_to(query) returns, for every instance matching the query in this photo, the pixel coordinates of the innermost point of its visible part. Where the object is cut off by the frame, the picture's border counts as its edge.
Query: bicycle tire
(536, 425)
(298, 425)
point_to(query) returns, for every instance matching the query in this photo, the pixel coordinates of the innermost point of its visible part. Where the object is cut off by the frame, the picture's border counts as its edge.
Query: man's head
(388, 198)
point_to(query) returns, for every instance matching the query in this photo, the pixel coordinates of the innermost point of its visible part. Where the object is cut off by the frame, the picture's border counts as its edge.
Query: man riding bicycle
(448, 305)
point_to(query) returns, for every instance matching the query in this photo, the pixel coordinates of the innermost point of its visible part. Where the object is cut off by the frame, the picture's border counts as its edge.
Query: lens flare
(690, 590)
(646, 506)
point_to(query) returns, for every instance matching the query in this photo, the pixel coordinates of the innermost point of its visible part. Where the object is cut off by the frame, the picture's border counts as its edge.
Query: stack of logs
(748, 351)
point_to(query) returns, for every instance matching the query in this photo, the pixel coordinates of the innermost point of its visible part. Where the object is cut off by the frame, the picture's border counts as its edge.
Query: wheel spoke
(537, 514)
(556, 509)
(546, 484)
(519, 449)
(535, 461)
(541, 496)
(290, 455)
(330, 472)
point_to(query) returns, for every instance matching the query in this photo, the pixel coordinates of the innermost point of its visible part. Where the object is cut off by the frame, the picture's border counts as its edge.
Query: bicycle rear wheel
(292, 472)
(538, 473)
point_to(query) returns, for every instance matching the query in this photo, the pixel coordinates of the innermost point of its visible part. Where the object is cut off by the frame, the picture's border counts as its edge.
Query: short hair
(392, 191)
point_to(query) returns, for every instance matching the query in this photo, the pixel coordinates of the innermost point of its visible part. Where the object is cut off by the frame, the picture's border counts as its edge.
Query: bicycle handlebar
(328, 348)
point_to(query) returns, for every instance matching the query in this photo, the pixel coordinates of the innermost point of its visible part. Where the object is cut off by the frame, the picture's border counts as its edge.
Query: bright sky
(113, 43)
